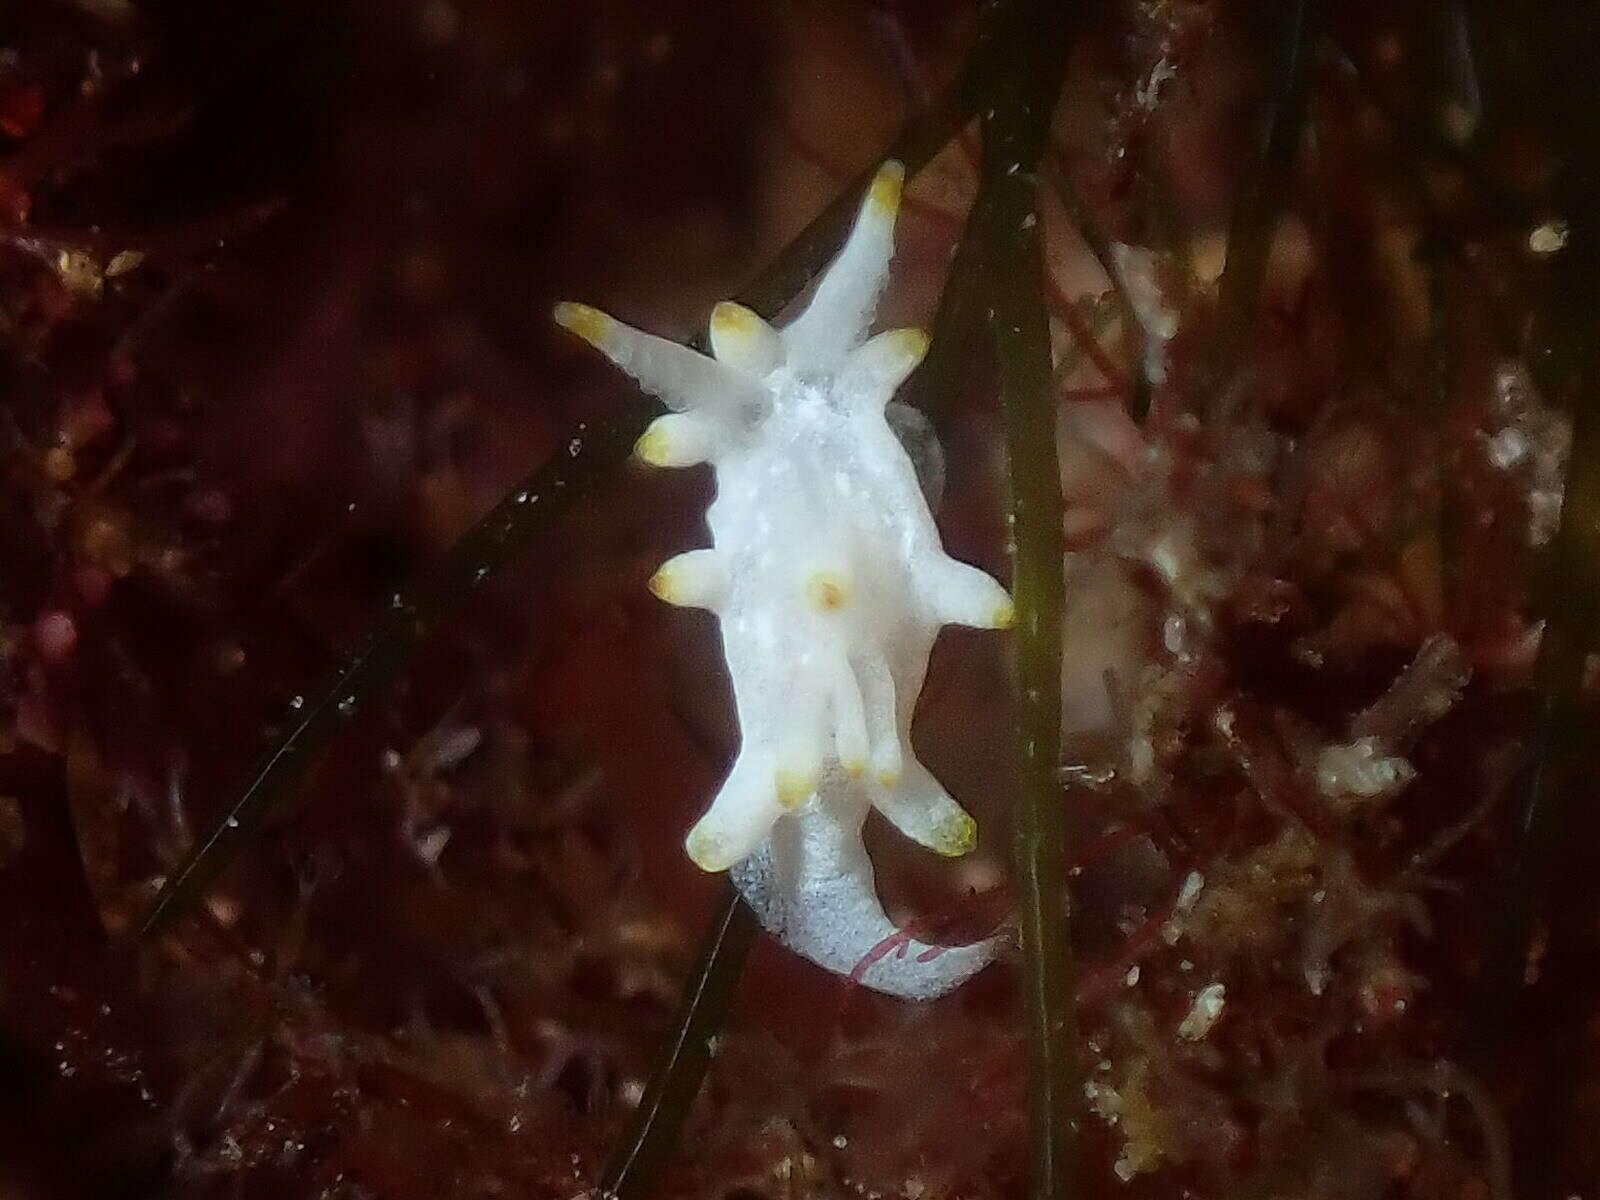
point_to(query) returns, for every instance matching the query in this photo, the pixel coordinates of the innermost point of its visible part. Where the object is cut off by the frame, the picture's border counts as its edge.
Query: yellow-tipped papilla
(840, 311)
(797, 762)
(920, 808)
(954, 833)
(683, 378)
(880, 716)
(850, 741)
(740, 338)
(677, 440)
(740, 816)
(881, 364)
(694, 579)
(590, 324)
(964, 595)
(708, 849)
(884, 193)
(888, 763)
(794, 784)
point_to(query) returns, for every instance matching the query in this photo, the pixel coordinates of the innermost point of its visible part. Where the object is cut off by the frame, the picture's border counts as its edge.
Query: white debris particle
(123, 262)
(1103, 1099)
(1148, 93)
(1507, 448)
(1190, 891)
(840, 1141)
(1173, 633)
(1139, 268)
(1362, 768)
(431, 844)
(1141, 757)
(1132, 977)
(1548, 238)
(1204, 1012)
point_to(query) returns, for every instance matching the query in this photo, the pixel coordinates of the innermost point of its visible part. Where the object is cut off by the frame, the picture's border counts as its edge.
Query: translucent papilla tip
(884, 194)
(912, 343)
(729, 318)
(693, 579)
(589, 323)
(653, 447)
(671, 441)
(661, 584)
(955, 834)
(1004, 615)
(708, 850)
(794, 786)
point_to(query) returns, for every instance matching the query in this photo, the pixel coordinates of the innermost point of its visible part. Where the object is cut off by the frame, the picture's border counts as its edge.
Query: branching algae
(830, 584)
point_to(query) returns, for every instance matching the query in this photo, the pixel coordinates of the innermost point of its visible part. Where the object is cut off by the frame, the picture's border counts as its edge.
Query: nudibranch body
(830, 584)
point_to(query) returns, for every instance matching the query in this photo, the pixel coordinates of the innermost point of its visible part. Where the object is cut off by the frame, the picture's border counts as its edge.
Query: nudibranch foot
(830, 584)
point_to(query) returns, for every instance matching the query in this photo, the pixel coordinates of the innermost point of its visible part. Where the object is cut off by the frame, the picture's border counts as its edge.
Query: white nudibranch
(830, 584)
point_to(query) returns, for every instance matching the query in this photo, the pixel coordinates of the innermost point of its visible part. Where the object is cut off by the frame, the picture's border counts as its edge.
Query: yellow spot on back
(827, 591)
(853, 767)
(590, 324)
(889, 776)
(794, 787)
(884, 194)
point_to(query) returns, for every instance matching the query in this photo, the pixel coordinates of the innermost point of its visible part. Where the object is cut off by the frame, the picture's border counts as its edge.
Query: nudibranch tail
(841, 309)
(812, 887)
(677, 375)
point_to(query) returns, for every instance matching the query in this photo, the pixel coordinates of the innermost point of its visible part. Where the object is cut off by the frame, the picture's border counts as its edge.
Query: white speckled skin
(828, 578)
